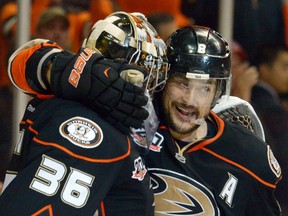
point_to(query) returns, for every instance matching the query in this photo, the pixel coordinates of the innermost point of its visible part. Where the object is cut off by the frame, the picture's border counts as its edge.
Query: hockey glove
(95, 82)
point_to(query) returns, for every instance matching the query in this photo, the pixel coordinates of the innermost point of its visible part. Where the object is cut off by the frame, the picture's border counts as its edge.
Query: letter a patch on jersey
(229, 189)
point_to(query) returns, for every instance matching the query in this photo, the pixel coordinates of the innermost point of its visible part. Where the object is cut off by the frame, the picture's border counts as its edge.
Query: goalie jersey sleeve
(71, 162)
(28, 66)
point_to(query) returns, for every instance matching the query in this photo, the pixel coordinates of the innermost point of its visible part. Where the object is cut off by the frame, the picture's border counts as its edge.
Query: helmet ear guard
(202, 52)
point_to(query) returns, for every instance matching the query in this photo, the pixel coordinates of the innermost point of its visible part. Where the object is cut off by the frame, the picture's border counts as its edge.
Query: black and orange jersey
(28, 66)
(69, 161)
(232, 173)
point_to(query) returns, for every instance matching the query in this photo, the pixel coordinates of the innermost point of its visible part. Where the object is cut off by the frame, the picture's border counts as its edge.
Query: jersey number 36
(51, 173)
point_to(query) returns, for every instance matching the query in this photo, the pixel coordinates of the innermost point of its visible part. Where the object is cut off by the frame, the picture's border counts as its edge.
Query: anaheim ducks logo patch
(274, 165)
(82, 132)
(177, 194)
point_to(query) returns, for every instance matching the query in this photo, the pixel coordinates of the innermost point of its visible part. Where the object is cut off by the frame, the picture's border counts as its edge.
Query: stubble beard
(177, 127)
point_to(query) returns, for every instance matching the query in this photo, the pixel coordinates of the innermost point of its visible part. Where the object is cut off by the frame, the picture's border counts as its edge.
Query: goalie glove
(95, 82)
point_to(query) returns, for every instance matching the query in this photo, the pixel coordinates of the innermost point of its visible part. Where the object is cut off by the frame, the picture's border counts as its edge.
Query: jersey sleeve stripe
(18, 62)
(44, 209)
(39, 67)
(241, 167)
(81, 157)
(17, 68)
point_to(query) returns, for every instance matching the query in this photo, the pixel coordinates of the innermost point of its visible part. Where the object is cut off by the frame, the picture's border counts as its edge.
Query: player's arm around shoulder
(29, 66)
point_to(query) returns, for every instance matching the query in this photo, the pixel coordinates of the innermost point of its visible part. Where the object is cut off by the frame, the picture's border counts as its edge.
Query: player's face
(187, 100)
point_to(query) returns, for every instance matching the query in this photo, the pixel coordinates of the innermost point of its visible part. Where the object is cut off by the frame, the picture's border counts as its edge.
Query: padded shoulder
(77, 131)
(246, 151)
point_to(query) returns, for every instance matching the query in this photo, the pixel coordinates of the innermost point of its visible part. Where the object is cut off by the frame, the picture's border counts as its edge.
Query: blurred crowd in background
(259, 53)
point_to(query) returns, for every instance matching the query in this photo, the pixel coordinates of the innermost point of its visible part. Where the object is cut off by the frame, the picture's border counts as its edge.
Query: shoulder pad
(249, 153)
(78, 131)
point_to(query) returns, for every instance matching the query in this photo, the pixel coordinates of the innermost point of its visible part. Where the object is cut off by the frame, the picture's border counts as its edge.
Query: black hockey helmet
(200, 53)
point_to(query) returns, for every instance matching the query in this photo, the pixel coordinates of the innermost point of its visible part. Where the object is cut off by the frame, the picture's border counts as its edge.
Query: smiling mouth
(186, 112)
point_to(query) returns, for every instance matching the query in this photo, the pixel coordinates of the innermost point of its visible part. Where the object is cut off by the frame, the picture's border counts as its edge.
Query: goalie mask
(199, 52)
(129, 36)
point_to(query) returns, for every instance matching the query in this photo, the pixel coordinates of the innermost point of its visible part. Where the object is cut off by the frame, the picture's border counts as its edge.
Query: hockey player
(69, 160)
(200, 164)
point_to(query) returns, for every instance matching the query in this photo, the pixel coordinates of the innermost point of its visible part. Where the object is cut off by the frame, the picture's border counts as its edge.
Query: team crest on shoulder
(274, 165)
(82, 132)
